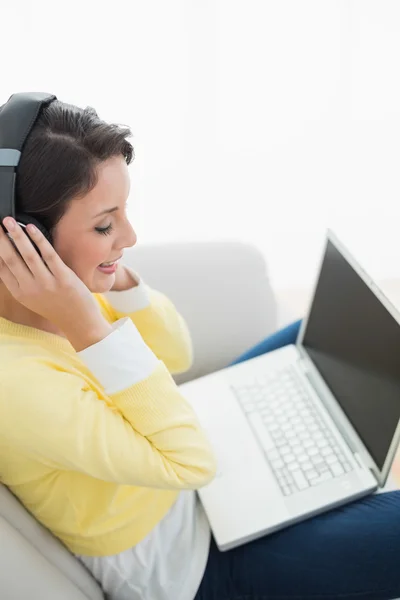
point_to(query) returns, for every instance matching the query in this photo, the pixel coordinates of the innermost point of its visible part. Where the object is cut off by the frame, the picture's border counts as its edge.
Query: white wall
(253, 119)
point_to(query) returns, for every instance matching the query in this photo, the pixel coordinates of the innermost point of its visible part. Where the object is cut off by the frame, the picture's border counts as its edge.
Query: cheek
(84, 254)
(89, 255)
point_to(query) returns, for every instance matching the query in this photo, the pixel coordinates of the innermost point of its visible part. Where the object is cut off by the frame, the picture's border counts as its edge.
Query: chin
(101, 283)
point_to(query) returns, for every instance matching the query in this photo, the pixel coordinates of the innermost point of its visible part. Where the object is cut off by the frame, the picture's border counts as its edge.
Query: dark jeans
(351, 552)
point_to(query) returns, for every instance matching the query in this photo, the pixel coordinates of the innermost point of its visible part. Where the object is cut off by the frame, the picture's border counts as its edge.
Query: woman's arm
(161, 326)
(125, 422)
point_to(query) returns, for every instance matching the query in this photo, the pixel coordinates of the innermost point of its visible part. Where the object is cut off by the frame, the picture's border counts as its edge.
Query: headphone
(17, 118)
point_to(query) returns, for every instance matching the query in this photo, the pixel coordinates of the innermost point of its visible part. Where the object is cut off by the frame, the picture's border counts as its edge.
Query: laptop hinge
(345, 430)
(302, 364)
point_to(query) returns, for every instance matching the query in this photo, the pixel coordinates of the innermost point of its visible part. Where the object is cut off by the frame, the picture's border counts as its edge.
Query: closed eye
(104, 230)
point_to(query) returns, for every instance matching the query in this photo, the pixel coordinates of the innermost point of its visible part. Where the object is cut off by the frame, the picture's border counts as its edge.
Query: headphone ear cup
(26, 219)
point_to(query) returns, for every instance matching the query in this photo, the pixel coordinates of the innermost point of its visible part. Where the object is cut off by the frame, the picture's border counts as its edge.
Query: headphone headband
(17, 118)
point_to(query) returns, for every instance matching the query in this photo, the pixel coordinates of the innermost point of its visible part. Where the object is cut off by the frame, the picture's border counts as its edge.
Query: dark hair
(60, 156)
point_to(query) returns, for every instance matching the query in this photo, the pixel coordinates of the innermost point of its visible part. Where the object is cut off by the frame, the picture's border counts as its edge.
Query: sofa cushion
(221, 288)
(32, 558)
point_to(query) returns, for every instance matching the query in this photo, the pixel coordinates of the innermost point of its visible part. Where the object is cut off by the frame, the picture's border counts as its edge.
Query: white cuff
(131, 300)
(121, 359)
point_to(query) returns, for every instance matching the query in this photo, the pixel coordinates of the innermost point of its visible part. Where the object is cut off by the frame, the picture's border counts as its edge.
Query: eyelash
(105, 230)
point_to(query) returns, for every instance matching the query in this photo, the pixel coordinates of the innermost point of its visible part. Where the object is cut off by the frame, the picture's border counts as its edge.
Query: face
(95, 229)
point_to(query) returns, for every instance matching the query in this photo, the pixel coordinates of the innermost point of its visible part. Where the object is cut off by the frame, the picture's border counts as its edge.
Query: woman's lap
(350, 552)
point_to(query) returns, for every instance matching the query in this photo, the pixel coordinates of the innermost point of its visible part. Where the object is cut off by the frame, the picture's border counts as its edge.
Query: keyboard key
(322, 468)
(332, 458)
(261, 432)
(337, 469)
(322, 443)
(293, 466)
(312, 474)
(304, 412)
(300, 428)
(322, 478)
(326, 451)
(306, 466)
(280, 442)
(268, 420)
(294, 442)
(300, 480)
(289, 458)
(312, 451)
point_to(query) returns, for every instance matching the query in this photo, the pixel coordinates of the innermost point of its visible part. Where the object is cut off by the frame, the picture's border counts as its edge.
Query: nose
(128, 238)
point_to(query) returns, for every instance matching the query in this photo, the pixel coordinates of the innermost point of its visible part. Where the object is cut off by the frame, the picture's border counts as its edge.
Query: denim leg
(281, 338)
(349, 553)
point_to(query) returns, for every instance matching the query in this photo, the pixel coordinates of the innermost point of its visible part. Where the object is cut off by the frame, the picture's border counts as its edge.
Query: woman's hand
(48, 287)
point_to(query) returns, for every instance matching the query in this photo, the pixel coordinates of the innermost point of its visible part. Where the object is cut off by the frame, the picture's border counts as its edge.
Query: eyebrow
(106, 211)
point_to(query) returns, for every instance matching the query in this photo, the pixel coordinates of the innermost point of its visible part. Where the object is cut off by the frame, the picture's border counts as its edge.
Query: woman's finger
(26, 249)
(11, 258)
(49, 255)
(8, 278)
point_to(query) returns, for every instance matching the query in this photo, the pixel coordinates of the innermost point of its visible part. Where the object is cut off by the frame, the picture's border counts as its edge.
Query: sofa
(223, 290)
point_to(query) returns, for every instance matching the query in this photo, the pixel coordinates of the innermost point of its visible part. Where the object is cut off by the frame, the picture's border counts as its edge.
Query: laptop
(310, 426)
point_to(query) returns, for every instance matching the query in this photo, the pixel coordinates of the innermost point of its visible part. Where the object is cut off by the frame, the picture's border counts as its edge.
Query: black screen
(355, 344)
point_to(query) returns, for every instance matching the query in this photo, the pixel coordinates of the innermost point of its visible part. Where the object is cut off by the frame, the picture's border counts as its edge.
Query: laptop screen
(355, 343)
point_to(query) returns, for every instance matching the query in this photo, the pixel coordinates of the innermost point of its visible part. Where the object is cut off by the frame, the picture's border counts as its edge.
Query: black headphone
(17, 118)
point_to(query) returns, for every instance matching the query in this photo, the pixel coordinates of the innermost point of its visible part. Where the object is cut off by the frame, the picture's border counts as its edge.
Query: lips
(109, 270)
(110, 263)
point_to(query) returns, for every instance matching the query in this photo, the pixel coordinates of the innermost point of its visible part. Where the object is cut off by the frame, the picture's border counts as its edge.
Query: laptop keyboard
(299, 446)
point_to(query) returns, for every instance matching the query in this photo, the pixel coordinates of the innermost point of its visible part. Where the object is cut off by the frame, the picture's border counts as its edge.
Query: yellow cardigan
(99, 471)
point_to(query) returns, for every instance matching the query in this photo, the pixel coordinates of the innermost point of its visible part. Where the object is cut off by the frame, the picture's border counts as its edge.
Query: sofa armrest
(48, 569)
(25, 574)
(221, 288)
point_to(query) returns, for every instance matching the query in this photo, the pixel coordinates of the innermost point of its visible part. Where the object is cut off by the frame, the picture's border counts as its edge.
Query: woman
(95, 438)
